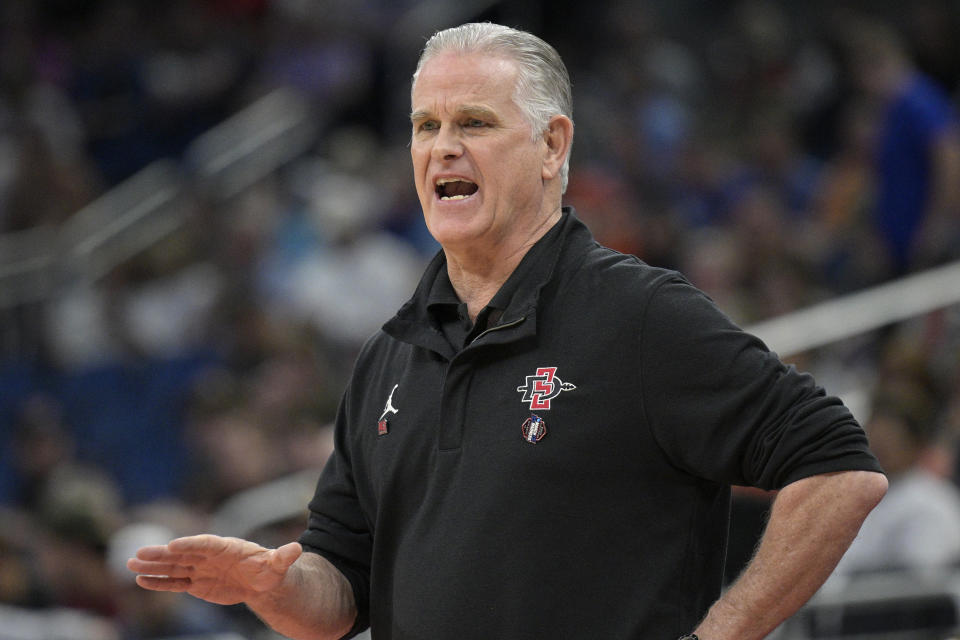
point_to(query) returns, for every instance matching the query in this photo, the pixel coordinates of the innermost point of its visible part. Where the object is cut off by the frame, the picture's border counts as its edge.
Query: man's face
(478, 172)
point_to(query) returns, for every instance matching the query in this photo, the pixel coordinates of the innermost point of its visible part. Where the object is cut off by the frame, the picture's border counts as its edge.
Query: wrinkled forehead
(469, 75)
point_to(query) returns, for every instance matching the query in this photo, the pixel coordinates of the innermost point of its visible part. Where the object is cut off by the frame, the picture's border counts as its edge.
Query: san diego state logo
(543, 387)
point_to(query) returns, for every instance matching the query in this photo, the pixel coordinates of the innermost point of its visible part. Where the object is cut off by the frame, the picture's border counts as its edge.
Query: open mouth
(455, 188)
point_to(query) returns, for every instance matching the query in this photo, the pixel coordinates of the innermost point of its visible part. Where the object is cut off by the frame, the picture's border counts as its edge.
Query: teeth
(440, 182)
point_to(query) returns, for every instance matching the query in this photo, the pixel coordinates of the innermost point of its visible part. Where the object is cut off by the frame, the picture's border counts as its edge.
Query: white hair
(543, 84)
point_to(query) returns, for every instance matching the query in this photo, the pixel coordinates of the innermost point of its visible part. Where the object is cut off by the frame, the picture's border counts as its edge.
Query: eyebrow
(416, 116)
(465, 110)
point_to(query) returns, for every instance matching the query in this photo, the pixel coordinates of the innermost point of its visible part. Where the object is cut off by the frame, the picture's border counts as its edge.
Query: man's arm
(300, 595)
(812, 523)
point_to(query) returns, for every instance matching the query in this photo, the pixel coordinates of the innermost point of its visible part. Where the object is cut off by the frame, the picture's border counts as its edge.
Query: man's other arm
(812, 523)
(300, 595)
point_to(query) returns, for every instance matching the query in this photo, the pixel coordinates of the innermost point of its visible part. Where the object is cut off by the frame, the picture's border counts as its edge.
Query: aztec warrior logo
(543, 387)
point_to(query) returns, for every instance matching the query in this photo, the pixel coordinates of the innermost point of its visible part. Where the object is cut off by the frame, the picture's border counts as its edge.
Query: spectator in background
(42, 443)
(64, 512)
(917, 151)
(42, 187)
(917, 526)
(842, 239)
(80, 509)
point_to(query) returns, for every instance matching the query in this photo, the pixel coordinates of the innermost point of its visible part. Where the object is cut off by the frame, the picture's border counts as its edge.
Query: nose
(447, 144)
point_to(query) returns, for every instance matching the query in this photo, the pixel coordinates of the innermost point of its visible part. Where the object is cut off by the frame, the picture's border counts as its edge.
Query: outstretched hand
(213, 568)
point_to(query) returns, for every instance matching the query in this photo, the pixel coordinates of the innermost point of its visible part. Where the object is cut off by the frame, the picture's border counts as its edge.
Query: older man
(541, 443)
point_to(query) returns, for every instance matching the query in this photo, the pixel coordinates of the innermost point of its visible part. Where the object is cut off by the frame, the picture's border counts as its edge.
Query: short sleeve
(725, 408)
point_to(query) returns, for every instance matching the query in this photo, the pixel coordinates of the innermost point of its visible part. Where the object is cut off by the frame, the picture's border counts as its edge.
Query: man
(917, 156)
(541, 443)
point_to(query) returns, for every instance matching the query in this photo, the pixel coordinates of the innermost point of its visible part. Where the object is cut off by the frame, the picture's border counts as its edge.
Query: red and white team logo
(543, 387)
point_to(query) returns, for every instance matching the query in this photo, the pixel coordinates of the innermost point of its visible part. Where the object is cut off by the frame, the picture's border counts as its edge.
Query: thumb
(285, 556)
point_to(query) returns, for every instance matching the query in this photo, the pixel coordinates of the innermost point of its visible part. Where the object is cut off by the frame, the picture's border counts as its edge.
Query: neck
(477, 275)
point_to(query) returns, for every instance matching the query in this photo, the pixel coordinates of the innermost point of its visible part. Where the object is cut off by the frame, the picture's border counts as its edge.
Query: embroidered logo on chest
(534, 429)
(383, 425)
(543, 387)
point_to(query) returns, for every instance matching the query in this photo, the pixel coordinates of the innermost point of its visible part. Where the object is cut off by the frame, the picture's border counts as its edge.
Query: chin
(451, 229)
(449, 237)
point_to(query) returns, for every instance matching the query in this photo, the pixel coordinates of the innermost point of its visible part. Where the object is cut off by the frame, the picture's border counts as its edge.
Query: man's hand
(216, 569)
(301, 595)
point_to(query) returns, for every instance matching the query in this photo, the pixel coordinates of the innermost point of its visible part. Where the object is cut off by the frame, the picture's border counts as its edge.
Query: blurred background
(207, 205)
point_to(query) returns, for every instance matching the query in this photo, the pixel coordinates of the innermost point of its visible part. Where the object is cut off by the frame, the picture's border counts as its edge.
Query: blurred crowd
(778, 154)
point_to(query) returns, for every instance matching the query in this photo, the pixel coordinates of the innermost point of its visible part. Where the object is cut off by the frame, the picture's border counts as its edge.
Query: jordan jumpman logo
(383, 424)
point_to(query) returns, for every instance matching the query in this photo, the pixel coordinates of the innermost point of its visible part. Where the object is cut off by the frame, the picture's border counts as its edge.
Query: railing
(38, 263)
(860, 312)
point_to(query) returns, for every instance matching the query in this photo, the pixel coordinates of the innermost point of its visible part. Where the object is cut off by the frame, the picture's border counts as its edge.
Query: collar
(443, 293)
(518, 297)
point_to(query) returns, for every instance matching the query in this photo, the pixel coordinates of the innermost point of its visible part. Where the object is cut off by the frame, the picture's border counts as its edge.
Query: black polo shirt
(452, 522)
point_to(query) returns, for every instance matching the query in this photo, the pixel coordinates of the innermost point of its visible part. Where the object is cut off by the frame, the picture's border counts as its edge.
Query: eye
(475, 123)
(428, 125)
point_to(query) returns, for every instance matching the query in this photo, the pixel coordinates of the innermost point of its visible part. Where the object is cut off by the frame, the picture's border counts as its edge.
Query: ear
(558, 137)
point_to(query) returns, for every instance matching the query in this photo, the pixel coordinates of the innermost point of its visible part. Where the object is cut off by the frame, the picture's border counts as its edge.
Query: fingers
(218, 569)
(171, 567)
(192, 550)
(216, 552)
(163, 554)
(159, 583)
(201, 545)
(160, 575)
(161, 569)
(205, 544)
(154, 552)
